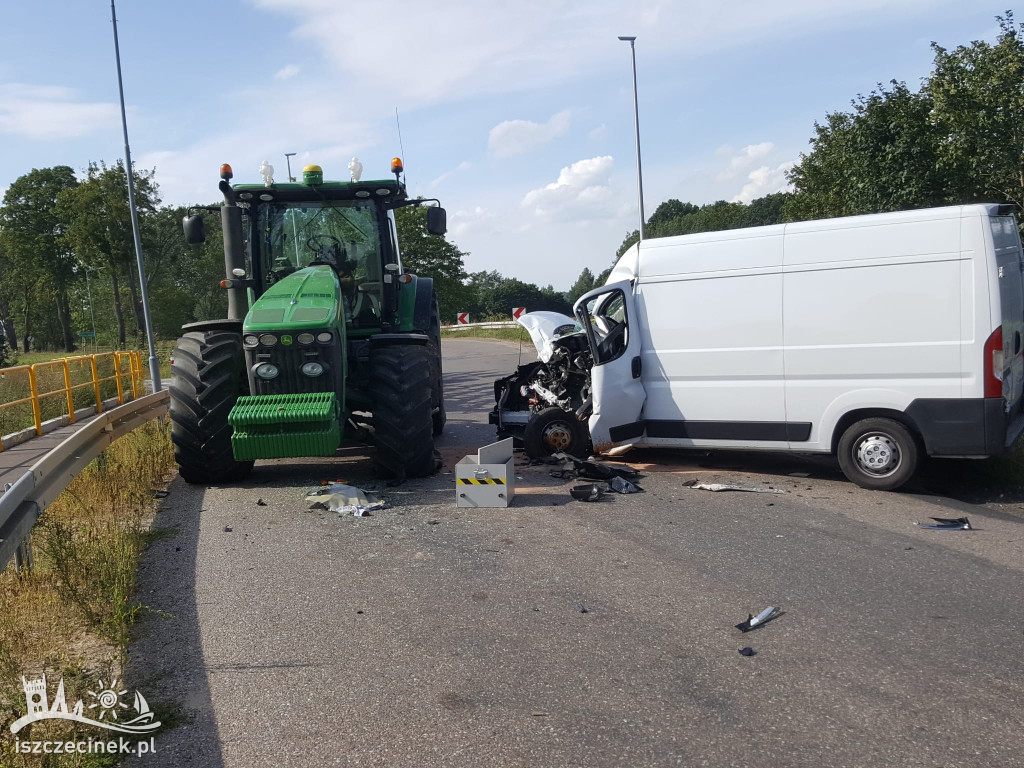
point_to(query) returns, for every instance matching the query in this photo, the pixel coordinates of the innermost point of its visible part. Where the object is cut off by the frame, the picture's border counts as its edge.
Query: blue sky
(517, 116)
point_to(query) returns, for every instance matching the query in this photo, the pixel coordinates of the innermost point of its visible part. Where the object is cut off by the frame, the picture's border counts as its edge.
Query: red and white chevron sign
(463, 318)
(517, 312)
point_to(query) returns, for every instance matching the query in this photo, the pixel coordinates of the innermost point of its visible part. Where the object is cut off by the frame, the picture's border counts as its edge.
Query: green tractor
(326, 337)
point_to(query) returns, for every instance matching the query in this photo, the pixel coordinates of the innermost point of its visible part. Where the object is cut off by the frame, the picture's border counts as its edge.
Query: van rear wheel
(878, 454)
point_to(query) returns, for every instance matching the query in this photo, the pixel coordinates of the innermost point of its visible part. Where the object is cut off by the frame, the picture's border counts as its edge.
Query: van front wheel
(878, 454)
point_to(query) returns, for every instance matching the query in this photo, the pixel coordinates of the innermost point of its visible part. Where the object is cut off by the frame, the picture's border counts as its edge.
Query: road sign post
(518, 312)
(463, 318)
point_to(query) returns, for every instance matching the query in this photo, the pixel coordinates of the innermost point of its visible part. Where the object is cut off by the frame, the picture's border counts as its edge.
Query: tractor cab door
(609, 318)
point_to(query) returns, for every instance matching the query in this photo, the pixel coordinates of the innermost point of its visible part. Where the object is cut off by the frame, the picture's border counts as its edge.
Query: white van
(871, 337)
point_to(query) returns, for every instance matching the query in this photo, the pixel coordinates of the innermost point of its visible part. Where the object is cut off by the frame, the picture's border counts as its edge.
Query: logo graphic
(105, 704)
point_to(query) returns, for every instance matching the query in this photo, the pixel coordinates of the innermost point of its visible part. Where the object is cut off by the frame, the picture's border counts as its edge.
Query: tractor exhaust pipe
(234, 254)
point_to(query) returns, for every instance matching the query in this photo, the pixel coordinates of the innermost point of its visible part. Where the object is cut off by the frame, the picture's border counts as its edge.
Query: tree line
(67, 257)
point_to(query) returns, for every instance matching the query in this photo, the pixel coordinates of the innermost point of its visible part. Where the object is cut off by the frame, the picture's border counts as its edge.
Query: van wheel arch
(852, 417)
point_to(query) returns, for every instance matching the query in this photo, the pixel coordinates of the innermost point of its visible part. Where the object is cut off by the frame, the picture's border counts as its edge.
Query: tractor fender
(414, 304)
(384, 339)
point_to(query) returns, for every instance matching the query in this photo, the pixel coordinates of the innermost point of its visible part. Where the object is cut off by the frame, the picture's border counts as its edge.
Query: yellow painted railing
(127, 381)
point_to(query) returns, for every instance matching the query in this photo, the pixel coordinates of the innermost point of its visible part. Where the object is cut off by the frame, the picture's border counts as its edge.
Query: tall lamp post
(636, 125)
(154, 364)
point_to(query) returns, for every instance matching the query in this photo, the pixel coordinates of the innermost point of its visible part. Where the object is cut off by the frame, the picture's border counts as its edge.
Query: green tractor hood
(308, 299)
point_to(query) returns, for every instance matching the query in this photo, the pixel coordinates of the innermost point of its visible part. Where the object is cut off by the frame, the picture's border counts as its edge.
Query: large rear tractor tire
(402, 422)
(208, 375)
(439, 415)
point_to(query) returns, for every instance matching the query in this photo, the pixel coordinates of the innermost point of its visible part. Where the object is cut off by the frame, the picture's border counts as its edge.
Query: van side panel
(872, 319)
(712, 342)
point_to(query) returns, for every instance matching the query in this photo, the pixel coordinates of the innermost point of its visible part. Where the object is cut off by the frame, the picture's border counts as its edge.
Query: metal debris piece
(590, 470)
(748, 651)
(948, 524)
(726, 487)
(755, 622)
(622, 485)
(590, 492)
(345, 499)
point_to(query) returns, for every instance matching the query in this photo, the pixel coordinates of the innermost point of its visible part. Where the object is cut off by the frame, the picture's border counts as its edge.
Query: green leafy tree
(35, 249)
(433, 256)
(978, 96)
(584, 283)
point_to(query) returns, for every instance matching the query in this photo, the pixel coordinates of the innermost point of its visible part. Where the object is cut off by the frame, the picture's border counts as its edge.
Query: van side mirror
(437, 220)
(195, 230)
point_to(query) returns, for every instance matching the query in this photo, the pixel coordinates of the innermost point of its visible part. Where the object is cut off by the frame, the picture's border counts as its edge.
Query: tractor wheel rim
(878, 454)
(557, 437)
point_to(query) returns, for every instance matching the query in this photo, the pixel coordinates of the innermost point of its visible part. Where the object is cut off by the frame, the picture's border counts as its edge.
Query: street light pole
(154, 364)
(636, 124)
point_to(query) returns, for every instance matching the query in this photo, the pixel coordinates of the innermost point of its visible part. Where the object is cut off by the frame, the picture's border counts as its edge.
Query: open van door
(608, 316)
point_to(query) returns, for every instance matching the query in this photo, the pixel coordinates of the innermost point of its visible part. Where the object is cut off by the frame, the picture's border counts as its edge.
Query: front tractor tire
(402, 421)
(208, 375)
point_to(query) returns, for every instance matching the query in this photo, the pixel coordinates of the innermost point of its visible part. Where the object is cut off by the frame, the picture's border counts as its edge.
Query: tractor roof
(329, 190)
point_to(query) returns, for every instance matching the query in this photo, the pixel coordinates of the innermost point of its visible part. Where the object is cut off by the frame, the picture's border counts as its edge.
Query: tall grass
(73, 614)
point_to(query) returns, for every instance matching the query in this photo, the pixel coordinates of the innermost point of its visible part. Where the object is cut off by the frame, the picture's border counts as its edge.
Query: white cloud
(764, 181)
(583, 190)
(740, 161)
(284, 73)
(600, 133)
(463, 166)
(516, 137)
(465, 221)
(48, 113)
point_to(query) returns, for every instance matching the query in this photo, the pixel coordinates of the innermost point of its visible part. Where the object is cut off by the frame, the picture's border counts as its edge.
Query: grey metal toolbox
(487, 479)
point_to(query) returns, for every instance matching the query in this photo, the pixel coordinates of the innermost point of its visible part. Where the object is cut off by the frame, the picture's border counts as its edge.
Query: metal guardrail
(27, 497)
(35, 397)
(501, 324)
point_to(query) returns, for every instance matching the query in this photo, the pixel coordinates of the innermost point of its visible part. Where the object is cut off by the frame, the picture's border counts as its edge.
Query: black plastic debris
(622, 485)
(591, 470)
(756, 622)
(690, 483)
(589, 492)
(948, 524)
(580, 608)
(161, 494)
(228, 529)
(260, 503)
(748, 651)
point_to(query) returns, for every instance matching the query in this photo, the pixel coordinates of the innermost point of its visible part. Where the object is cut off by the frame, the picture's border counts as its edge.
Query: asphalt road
(426, 635)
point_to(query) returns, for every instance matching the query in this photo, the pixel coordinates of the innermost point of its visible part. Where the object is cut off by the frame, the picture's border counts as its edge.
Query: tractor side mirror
(437, 220)
(195, 230)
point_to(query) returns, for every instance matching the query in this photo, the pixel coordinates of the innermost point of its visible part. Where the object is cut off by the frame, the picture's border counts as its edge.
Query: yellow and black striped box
(487, 479)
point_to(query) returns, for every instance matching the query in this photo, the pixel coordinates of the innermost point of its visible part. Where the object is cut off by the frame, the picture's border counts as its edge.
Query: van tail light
(994, 364)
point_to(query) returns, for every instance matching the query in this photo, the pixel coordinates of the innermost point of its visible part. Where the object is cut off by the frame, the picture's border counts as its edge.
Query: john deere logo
(286, 339)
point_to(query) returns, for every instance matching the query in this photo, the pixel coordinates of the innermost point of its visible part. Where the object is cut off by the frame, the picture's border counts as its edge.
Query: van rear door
(1010, 270)
(606, 314)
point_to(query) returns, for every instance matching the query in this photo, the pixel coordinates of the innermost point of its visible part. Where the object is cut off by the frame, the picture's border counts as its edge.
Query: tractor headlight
(305, 338)
(267, 371)
(312, 369)
(268, 339)
(251, 340)
(324, 337)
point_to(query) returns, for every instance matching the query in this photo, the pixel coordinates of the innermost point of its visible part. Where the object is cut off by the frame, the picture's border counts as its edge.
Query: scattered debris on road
(622, 485)
(799, 474)
(589, 492)
(580, 608)
(156, 494)
(345, 499)
(260, 503)
(755, 622)
(748, 651)
(717, 487)
(947, 524)
(228, 529)
(585, 469)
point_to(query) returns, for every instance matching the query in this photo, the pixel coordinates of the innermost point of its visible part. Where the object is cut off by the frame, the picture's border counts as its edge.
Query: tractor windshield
(340, 233)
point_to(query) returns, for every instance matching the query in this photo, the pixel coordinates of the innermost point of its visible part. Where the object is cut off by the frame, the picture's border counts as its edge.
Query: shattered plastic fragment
(621, 485)
(590, 492)
(748, 651)
(948, 524)
(345, 499)
(727, 487)
(590, 470)
(754, 622)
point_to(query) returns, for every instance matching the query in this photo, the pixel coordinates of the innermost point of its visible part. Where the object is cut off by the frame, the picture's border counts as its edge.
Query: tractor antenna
(401, 148)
